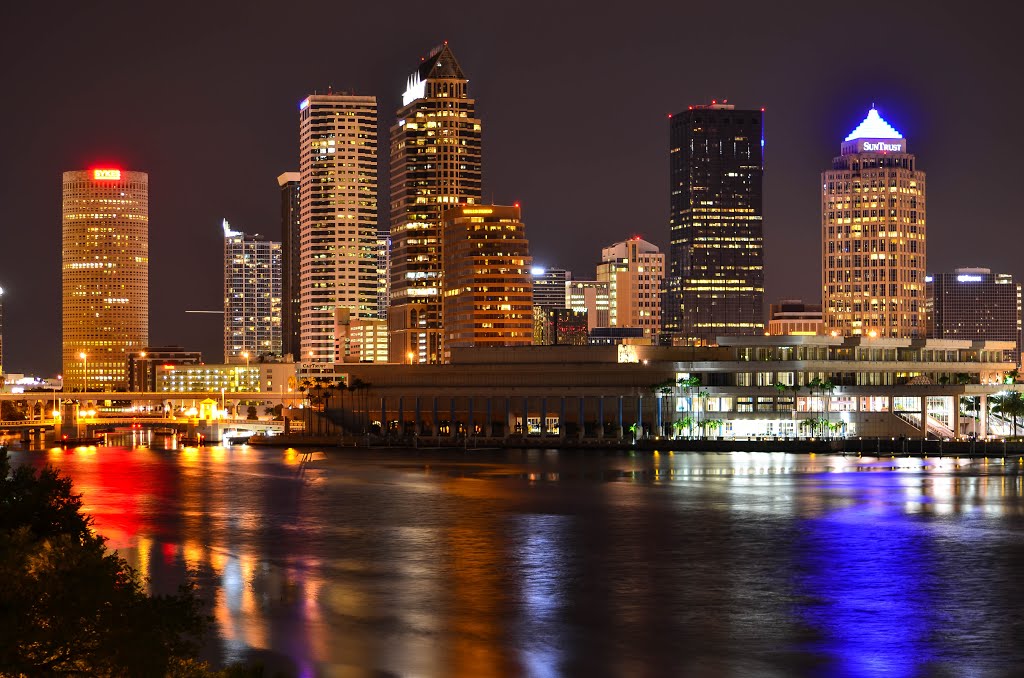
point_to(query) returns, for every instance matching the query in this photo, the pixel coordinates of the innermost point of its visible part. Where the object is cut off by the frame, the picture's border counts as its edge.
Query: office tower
(559, 327)
(252, 296)
(974, 303)
(590, 297)
(105, 270)
(549, 286)
(1, 330)
(486, 289)
(145, 365)
(291, 310)
(873, 236)
(794, 317)
(435, 165)
(634, 270)
(716, 251)
(338, 206)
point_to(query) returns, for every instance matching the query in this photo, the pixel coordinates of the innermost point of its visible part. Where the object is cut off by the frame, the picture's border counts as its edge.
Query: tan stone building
(105, 275)
(873, 236)
(634, 270)
(487, 288)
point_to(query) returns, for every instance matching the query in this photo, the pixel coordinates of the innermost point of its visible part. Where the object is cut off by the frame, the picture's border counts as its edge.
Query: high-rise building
(634, 270)
(873, 235)
(716, 252)
(105, 271)
(291, 223)
(549, 286)
(252, 296)
(435, 165)
(974, 303)
(590, 297)
(338, 206)
(794, 317)
(486, 288)
(554, 326)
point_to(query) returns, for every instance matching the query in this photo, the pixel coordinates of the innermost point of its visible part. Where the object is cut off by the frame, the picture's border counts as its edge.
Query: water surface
(547, 564)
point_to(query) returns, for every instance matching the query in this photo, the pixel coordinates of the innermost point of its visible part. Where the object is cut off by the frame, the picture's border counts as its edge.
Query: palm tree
(1010, 405)
(1011, 376)
(688, 384)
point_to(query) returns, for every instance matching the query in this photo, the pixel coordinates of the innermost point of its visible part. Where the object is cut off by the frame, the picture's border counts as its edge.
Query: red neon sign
(106, 175)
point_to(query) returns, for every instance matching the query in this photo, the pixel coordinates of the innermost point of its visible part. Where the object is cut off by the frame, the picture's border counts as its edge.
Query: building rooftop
(874, 127)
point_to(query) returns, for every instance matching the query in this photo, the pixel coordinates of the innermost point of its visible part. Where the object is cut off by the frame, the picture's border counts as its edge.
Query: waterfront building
(105, 275)
(634, 270)
(749, 386)
(873, 232)
(338, 222)
(549, 286)
(716, 254)
(793, 316)
(291, 223)
(252, 296)
(591, 297)
(274, 377)
(486, 289)
(435, 165)
(145, 365)
(559, 326)
(974, 303)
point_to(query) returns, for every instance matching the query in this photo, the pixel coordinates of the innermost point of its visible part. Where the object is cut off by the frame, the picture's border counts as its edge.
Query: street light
(410, 355)
(85, 370)
(60, 384)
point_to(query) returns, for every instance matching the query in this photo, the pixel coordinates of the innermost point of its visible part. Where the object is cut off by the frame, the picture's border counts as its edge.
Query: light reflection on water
(540, 563)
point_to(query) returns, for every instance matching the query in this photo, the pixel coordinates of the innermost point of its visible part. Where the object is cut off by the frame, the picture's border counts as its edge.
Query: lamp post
(60, 385)
(139, 371)
(85, 371)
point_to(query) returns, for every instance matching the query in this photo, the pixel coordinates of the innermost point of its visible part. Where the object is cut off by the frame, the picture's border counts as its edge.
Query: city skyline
(806, 111)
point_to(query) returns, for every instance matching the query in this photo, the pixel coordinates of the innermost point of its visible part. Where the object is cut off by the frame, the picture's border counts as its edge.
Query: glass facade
(716, 254)
(435, 165)
(105, 276)
(252, 296)
(291, 341)
(974, 303)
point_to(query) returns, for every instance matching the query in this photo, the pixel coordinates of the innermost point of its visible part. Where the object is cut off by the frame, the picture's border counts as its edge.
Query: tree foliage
(68, 606)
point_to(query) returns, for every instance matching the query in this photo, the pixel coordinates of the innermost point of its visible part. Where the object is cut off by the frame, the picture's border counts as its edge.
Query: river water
(542, 563)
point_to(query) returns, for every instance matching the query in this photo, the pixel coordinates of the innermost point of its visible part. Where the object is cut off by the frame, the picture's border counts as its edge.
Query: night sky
(204, 97)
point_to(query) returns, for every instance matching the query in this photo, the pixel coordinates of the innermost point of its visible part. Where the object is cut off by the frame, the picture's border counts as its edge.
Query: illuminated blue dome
(874, 127)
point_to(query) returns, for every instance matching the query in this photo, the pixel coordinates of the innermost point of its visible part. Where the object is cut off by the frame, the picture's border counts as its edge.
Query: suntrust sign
(879, 146)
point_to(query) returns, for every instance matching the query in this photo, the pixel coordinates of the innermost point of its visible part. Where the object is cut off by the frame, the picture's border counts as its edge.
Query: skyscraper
(634, 270)
(291, 309)
(105, 270)
(338, 223)
(974, 303)
(252, 296)
(435, 165)
(716, 252)
(487, 290)
(549, 286)
(873, 235)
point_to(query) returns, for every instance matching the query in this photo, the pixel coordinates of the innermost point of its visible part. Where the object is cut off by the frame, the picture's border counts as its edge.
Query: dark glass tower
(290, 340)
(716, 255)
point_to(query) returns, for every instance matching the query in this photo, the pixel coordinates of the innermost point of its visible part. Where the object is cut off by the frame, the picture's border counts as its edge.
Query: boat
(238, 439)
